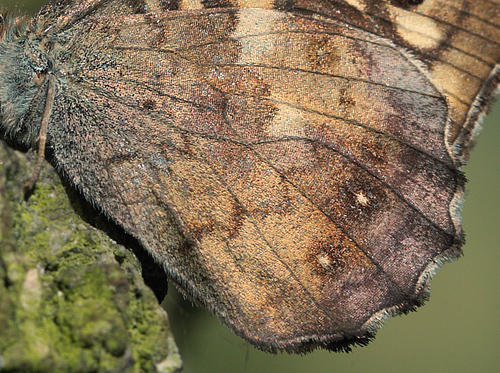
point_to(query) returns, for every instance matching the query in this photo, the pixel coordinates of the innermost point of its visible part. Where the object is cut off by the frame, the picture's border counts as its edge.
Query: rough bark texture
(71, 298)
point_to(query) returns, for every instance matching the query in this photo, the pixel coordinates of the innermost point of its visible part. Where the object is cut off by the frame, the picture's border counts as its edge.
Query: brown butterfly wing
(292, 173)
(457, 43)
(60, 15)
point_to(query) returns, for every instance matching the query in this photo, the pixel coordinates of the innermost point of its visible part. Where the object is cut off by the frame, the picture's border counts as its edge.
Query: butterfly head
(23, 68)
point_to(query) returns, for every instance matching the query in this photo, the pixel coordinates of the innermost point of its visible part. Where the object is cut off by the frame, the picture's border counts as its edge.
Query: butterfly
(293, 165)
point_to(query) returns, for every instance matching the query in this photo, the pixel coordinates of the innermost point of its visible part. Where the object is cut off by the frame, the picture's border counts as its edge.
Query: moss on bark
(71, 298)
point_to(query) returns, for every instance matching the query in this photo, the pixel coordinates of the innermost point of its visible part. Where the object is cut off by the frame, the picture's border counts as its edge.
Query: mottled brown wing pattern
(242, 186)
(452, 39)
(294, 170)
(65, 14)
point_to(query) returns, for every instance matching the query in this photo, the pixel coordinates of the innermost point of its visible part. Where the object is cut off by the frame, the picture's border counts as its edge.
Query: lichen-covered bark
(71, 299)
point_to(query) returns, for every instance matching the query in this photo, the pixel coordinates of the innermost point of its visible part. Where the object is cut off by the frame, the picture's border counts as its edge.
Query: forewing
(457, 42)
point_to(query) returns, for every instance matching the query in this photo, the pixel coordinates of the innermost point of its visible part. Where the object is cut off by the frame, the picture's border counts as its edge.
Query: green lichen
(71, 299)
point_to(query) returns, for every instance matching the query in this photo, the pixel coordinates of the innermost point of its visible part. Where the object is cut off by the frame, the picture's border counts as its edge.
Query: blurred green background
(457, 330)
